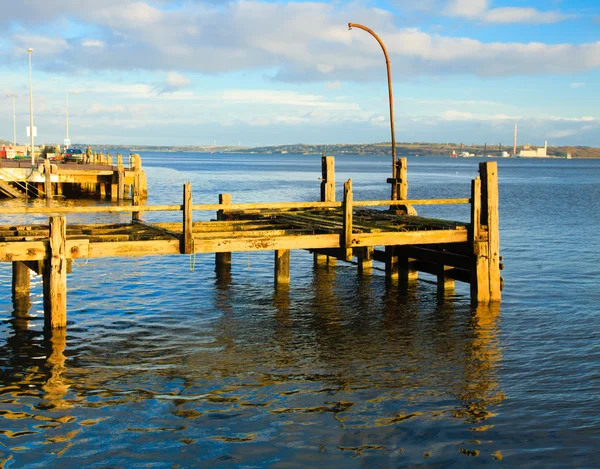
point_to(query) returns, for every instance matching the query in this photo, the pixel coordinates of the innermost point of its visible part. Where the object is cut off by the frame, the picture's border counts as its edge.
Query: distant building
(527, 152)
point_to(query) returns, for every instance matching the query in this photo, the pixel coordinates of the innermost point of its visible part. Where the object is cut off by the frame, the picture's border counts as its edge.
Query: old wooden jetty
(387, 231)
(97, 177)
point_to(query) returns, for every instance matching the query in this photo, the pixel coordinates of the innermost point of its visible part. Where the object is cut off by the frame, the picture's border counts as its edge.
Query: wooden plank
(268, 243)
(55, 276)
(187, 239)
(97, 209)
(34, 250)
(383, 203)
(134, 248)
(282, 267)
(409, 237)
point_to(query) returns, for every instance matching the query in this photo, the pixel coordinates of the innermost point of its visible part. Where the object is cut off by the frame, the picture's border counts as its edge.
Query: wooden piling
(365, 260)
(327, 179)
(480, 273)
(282, 267)
(47, 179)
(21, 281)
(327, 195)
(55, 276)
(346, 241)
(445, 284)
(187, 238)
(223, 259)
(391, 263)
(489, 217)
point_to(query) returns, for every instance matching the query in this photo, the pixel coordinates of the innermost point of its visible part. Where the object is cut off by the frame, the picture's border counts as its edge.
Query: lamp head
(30, 50)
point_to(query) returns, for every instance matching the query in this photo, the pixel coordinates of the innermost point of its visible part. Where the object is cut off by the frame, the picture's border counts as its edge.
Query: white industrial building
(528, 152)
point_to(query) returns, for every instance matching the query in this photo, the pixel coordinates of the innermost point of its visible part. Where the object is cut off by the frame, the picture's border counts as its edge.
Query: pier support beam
(55, 276)
(282, 267)
(47, 179)
(365, 260)
(223, 259)
(187, 237)
(391, 263)
(486, 284)
(20, 280)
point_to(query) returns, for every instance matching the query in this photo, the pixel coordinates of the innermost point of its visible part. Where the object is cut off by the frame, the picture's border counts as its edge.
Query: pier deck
(387, 231)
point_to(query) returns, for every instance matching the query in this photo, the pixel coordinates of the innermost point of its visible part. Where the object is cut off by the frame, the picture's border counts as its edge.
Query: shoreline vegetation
(367, 149)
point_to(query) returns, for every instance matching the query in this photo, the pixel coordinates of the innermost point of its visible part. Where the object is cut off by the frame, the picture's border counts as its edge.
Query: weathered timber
(282, 266)
(489, 217)
(55, 276)
(365, 260)
(21, 281)
(47, 180)
(327, 179)
(187, 239)
(346, 237)
(223, 259)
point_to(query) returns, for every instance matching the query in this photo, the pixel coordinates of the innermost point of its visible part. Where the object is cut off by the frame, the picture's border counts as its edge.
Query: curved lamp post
(71, 92)
(14, 119)
(391, 100)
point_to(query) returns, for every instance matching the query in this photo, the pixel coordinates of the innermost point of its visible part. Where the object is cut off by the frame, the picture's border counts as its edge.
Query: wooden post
(445, 284)
(223, 259)
(391, 263)
(327, 179)
(136, 197)
(407, 273)
(187, 238)
(365, 260)
(102, 190)
(346, 239)
(327, 195)
(402, 188)
(480, 273)
(21, 282)
(489, 217)
(48, 179)
(282, 267)
(55, 276)
(120, 184)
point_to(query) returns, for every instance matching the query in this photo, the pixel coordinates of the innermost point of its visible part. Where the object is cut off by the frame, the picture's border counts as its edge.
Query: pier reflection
(352, 364)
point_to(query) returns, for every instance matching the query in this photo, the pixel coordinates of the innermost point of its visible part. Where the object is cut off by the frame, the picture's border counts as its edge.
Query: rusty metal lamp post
(393, 181)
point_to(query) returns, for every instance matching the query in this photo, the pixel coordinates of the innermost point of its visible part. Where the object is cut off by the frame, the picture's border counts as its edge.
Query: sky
(251, 73)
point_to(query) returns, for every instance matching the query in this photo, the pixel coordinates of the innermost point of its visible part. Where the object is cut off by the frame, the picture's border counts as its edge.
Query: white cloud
(256, 35)
(286, 98)
(331, 85)
(523, 15)
(92, 43)
(577, 85)
(174, 82)
(467, 8)
(480, 10)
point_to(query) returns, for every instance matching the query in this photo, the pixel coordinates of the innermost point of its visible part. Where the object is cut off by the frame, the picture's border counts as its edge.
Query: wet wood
(282, 266)
(223, 259)
(47, 179)
(365, 260)
(21, 280)
(346, 238)
(489, 178)
(187, 240)
(55, 276)
(327, 179)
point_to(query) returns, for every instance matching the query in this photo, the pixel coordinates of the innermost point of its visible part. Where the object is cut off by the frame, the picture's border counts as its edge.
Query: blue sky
(187, 72)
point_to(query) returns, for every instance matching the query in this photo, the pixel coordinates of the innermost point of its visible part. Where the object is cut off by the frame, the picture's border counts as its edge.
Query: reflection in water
(333, 367)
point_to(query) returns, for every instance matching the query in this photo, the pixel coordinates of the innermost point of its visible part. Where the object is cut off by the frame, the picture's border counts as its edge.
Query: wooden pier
(386, 231)
(95, 178)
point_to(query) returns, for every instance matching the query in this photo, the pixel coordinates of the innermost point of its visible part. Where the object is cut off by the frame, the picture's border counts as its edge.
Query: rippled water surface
(162, 367)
